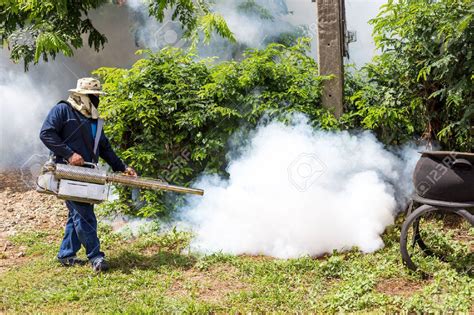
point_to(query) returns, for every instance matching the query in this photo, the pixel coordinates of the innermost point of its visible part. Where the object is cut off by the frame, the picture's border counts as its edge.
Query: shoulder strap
(100, 125)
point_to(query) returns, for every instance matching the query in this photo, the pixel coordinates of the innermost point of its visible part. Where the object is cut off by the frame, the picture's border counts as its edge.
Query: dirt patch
(23, 209)
(16, 180)
(401, 287)
(29, 210)
(11, 256)
(212, 285)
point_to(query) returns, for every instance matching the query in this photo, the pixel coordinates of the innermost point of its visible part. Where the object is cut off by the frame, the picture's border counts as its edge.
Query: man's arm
(49, 133)
(107, 153)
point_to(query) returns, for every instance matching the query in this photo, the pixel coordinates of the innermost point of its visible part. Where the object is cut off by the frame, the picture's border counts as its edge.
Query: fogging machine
(89, 184)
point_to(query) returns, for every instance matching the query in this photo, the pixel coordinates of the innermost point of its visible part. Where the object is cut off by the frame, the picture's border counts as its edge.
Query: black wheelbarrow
(444, 184)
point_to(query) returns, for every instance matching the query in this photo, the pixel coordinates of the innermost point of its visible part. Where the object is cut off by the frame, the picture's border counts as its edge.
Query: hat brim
(81, 91)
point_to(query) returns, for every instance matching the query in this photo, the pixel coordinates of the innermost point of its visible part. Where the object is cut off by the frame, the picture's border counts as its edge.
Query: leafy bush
(171, 116)
(422, 82)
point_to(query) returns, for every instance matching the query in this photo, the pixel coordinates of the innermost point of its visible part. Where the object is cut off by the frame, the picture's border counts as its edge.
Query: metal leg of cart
(414, 220)
(417, 239)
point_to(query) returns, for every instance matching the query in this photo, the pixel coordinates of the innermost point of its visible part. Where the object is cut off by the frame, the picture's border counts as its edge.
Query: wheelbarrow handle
(462, 164)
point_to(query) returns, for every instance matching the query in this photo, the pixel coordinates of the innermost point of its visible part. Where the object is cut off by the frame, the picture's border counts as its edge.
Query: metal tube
(150, 184)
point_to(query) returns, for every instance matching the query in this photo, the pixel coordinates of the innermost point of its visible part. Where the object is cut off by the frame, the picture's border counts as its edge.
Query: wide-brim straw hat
(88, 86)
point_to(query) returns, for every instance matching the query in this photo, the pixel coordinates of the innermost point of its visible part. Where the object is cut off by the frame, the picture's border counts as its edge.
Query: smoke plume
(295, 191)
(251, 30)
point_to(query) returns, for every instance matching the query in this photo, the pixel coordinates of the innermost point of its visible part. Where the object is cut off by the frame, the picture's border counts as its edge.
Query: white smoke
(250, 29)
(254, 32)
(25, 100)
(295, 191)
(358, 14)
(128, 225)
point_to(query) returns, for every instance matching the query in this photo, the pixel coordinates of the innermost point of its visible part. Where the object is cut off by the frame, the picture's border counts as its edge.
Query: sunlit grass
(157, 273)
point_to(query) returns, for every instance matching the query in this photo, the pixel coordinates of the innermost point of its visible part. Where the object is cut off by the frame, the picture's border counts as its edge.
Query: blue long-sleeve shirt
(61, 133)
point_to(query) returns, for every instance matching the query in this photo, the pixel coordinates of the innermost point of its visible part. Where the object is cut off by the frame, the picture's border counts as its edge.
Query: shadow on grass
(127, 261)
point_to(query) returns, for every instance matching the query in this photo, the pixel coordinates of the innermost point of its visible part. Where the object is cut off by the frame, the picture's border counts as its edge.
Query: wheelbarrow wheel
(413, 219)
(411, 232)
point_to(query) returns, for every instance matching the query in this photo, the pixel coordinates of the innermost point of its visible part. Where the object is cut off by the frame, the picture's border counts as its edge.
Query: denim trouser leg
(70, 244)
(81, 228)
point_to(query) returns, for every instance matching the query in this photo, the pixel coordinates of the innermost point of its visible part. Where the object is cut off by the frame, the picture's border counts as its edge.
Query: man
(73, 132)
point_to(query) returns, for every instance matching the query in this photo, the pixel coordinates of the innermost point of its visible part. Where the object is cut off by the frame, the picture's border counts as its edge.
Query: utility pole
(332, 47)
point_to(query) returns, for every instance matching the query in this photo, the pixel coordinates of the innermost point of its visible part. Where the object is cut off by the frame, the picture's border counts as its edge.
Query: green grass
(157, 273)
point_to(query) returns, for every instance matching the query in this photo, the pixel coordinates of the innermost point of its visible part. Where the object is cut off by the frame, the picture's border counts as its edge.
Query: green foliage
(33, 29)
(171, 116)
(421, 83)
(212, 22)
(195, 16)
(333, 267)
(42, 29)
(252, 7)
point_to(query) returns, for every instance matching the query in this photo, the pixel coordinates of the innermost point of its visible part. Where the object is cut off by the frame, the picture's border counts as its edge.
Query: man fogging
(73, 132)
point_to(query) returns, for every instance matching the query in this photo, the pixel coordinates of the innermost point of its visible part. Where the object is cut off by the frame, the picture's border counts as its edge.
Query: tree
(422, 82)
(32, 29)
(35, 29)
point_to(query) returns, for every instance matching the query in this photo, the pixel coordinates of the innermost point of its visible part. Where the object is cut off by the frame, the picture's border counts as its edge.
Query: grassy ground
(153, 273)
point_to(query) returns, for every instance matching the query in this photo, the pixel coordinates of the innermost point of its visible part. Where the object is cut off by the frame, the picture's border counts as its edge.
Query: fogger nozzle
(96, 176)
(150, 184)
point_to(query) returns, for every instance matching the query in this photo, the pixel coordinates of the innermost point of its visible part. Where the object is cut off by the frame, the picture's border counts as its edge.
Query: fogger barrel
(91, 185)
(96, 176)
(151, 184)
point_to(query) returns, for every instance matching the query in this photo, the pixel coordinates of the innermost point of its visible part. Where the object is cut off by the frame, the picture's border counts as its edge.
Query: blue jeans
(81, 229)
